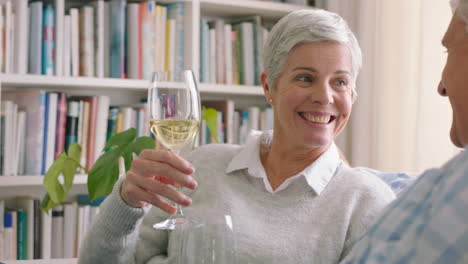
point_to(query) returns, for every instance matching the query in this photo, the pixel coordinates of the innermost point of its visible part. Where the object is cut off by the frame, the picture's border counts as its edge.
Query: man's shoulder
(364, 182)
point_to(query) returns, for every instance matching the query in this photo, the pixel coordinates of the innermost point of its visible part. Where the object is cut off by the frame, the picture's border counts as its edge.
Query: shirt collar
(318, 174)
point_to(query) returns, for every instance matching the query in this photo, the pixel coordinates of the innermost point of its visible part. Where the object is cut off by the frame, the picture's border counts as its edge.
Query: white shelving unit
(236, 8)
(11, 186)
(16, 81)
(129, 89)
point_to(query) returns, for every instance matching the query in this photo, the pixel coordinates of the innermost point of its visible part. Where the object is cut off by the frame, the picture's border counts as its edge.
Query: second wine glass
(174, 116)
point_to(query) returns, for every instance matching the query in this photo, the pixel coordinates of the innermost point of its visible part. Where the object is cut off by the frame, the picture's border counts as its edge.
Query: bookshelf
(123, 91)
(10, 82)
(11, 186)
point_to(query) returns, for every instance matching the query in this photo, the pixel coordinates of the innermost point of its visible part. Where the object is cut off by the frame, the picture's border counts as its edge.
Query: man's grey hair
(462, 7)
(307, 26)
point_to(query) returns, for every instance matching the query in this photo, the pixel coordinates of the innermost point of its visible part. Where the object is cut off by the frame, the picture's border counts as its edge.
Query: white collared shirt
(316, 176)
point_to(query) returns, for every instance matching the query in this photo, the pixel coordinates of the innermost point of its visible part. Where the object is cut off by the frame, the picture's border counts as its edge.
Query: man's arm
(398, 181)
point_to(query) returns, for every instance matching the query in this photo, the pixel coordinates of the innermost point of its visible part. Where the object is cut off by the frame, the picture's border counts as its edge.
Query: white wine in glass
(174, 134)
(174, 116)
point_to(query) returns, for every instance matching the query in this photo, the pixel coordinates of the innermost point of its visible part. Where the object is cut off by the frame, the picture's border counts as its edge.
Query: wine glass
(174, 116)
(211, 243)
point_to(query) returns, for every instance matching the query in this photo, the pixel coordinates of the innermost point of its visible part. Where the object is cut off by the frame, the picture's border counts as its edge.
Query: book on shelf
(10, 235)
(2, 29)
(133, 41)
(69, 234)
(170, 46)
(46, 235)
(103, 103)
(2, 229)
(100, 9)
(75, 41)
(48, 41)
(50, 129)
(117, 42)
(59, 6)
(106, 38)
(219, 50)
(228, 53)
(21, 24)
(176, 13)
(160, 37)
(22, 236)
(83, 125)
(67, 51)
(147, 31)
(71, 132)
(87, 62)
(212, 48)
(9, 40)
(61, 124)
(35, 38)
(204, 51)
(57, 232)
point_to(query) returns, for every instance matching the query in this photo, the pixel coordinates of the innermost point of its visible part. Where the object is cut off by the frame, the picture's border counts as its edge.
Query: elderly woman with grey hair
(291, 198)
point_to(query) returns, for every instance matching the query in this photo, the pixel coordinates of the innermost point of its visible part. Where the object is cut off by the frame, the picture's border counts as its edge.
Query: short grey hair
(462, 7)
(307, 26)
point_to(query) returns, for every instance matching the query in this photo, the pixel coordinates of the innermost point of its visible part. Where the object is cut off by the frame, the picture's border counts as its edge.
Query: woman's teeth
(316, 119)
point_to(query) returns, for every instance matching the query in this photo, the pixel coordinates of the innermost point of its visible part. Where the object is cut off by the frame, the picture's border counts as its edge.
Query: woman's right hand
(149, 178)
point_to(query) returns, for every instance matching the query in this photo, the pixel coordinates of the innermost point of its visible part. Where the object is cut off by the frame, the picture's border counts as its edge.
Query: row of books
(316, 3)
(26, 232)
(234, 125)
(96, 39)
(37, 126)
(231, 50)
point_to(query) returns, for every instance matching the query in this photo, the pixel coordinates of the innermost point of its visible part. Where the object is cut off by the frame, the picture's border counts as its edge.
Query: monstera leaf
(104, 173)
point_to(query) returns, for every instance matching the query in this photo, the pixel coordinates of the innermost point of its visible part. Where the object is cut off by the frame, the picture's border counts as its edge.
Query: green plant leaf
(121, 138)
(105, 171)
(65, 165)
(211, 117)
(74, 151)
(142, 143)
(51, 179)
(102, 176)
(47, 203)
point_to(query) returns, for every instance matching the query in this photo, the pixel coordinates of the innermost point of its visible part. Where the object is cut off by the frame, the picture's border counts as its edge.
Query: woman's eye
(341, 83)
(303, 78)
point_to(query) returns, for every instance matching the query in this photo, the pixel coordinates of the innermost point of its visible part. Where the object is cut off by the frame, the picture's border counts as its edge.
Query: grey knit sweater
(268, 228)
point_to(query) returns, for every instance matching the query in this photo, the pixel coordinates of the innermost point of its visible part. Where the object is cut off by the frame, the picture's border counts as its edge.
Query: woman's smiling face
(313, 96)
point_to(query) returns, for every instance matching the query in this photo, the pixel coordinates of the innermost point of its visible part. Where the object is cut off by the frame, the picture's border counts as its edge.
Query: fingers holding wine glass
(173, 160)
(137, 197)
(149, 178)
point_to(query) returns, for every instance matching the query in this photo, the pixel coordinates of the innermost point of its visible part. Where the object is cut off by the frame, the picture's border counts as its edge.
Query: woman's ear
(266, 88)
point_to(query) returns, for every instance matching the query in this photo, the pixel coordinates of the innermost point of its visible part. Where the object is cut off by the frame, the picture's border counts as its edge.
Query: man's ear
(266, 88)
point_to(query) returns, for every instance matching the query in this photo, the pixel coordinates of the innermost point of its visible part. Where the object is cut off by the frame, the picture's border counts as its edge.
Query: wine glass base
(177, 222)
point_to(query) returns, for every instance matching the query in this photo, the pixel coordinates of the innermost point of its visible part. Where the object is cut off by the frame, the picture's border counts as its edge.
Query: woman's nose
(323, 95)
(441, 89)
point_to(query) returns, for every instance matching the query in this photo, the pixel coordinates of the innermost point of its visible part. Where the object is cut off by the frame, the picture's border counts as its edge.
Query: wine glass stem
(179, 212)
